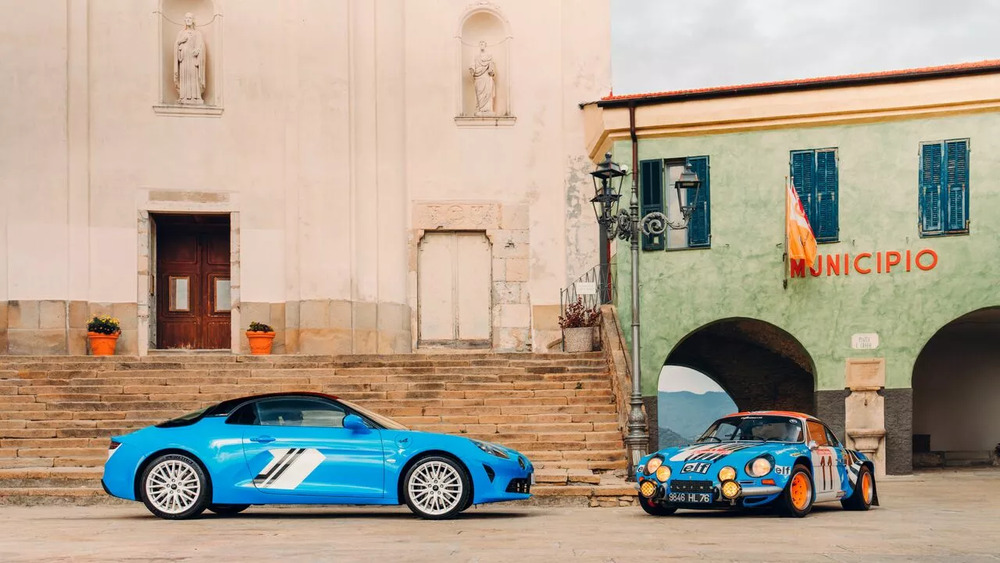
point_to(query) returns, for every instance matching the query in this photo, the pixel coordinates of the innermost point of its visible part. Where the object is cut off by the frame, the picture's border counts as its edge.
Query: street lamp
(626, 225)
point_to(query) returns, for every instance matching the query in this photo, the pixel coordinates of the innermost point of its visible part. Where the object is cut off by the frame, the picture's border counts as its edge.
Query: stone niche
(864, 409)
(484, 67)
(208, 31)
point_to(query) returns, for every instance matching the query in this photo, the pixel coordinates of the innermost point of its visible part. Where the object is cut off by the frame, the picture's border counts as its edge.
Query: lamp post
(626, 226)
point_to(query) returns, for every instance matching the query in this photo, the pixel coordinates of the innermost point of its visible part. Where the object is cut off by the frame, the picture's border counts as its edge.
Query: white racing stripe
(288, 468)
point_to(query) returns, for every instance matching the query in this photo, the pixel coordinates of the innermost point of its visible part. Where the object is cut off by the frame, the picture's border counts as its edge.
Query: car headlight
(727, 473)
(653, 464)
(663, 473)
(759, 467)
(647, 489)
(491, 449)
(731, 489)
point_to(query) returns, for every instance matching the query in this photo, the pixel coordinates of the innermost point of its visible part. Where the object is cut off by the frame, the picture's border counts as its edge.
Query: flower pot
(578, 339)
(103, 344)
(260, 342)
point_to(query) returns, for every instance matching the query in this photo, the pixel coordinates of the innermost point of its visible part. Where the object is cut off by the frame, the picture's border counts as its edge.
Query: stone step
(50, 477)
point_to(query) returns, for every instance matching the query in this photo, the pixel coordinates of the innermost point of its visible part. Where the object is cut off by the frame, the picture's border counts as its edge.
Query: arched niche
(484, 41)
(208, 23)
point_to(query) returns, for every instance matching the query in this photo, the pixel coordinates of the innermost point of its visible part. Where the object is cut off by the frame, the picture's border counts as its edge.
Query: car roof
(227, 406)
(775, 413)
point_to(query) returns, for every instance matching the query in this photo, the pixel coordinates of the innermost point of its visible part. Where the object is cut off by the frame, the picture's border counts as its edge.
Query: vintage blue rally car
(306, 448)
(788, 459)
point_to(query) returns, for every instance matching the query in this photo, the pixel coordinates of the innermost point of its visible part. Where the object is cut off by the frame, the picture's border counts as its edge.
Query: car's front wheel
(654, 508)
(174, 487)
(436, 488)
(864, 491)
(228, 509)
(797, 498)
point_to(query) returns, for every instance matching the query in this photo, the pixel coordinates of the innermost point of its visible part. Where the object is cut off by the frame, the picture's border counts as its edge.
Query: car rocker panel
(752, 472)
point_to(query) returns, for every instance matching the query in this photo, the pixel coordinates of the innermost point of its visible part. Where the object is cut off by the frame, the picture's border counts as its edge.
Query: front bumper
(500, 479)
(684, 493)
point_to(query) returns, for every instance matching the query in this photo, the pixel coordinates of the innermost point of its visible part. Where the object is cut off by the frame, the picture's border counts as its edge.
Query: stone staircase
(58, 413)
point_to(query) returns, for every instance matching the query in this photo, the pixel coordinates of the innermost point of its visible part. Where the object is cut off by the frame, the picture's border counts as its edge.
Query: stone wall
(42, 327)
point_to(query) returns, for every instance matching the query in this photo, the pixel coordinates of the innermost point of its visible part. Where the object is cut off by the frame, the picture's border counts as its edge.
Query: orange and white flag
(801, 240)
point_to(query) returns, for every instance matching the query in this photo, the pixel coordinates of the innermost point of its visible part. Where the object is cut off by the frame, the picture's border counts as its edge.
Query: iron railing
(593, 289)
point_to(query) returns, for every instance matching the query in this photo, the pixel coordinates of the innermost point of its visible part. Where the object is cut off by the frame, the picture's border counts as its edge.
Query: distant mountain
(683, 415)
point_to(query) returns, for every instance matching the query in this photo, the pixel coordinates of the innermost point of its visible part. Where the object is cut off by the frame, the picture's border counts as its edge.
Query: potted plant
(261, 337)
(578, 326)
(103, 332)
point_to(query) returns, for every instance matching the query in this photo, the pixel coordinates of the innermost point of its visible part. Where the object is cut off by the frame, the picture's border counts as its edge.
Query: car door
(298, 445)
(843, 461)
(825, 457)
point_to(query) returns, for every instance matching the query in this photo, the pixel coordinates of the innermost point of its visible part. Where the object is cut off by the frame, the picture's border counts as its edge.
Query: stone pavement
(931, 516)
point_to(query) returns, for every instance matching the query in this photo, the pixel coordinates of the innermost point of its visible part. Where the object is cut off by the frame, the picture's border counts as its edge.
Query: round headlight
(759, 467)
(727, 473)
(663, 473)
(648, 489)
(730, 489)
(653, 464)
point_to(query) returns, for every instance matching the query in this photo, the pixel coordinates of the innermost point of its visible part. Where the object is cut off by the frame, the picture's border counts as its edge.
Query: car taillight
(112, 447)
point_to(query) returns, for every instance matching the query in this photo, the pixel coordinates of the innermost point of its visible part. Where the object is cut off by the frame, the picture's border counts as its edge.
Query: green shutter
(699, 231)
(826, 225)
(957, 186)
(651, 198)
(803, 179)
(930, 188)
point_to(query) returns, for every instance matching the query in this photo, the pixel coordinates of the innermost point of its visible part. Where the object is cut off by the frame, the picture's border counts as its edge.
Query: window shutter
(826, 226)
(803, 170)
(930, 188)
(699, 231)
(651, 198)
(957, 204)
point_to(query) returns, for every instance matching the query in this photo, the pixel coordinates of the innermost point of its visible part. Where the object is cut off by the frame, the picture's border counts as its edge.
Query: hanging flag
(801, 241)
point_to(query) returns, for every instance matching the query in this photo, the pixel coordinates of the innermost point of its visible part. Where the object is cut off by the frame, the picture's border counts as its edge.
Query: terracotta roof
(981, 67)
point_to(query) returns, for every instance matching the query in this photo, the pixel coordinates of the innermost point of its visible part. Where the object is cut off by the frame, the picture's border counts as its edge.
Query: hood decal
(710, 453)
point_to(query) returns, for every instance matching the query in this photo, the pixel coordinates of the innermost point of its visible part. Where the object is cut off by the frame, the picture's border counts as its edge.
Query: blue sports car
(306, 448)
(754, 459)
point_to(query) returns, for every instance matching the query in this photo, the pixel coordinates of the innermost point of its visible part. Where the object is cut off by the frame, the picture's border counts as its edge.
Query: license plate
(693, 498)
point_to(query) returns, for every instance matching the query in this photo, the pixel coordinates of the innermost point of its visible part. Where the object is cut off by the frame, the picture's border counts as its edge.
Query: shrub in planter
(578, 326)
(261, 337)
(103, 332)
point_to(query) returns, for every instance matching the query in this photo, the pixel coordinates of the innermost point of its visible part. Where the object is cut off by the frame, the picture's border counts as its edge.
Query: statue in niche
(484, 78)
(189, 63)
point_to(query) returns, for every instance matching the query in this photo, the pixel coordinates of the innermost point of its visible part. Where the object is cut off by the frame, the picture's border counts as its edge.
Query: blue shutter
(651, 198)
(957, 182)
(699, 231)
(930, 188)
(803, 171)
(826, 225)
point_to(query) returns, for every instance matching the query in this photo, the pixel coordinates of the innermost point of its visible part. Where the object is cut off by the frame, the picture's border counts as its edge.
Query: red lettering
(798, 268)
(927, 252)
(878, 262)
(847, 263)
(819, 261)
(907, 260)
(857, 259)
(892, 258)
(833, 265)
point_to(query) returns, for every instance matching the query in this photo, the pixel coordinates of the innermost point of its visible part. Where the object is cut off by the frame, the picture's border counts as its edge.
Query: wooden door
(192, 282)
(454, 289)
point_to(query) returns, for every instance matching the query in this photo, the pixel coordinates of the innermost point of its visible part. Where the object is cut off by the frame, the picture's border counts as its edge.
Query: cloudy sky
(662, 45)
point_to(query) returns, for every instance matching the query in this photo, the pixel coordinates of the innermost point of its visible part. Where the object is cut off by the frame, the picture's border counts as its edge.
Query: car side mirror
(813, 445)
(354, 423)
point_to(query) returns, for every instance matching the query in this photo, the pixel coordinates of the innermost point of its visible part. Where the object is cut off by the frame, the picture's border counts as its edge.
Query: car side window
(817, 433)
(300, 411)
(831, 437)
(245, 415)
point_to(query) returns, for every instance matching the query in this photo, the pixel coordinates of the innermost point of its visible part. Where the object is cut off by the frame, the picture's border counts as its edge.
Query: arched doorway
(688, 402)
(956, 393)
(759, 365)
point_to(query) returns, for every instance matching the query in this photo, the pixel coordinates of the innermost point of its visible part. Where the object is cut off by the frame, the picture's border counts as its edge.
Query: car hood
(735, 454)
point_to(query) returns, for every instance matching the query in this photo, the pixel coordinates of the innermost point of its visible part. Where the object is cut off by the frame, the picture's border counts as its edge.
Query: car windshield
(767, 428)
(384, 421)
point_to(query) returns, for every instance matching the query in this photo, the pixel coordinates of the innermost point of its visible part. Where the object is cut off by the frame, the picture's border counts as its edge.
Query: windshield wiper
(703, 438)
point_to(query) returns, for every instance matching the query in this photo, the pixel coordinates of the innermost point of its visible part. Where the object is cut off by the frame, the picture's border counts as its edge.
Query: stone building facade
(890, 336)
(365, 176)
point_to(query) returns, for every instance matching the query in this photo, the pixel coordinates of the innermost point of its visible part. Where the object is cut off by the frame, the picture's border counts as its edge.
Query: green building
(893, 335)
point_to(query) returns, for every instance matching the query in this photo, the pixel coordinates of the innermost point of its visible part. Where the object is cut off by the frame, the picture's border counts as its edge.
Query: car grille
(691, 486)
(519, 485)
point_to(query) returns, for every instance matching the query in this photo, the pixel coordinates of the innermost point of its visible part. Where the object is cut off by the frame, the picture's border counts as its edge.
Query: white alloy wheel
(436, 488)
(174, 487)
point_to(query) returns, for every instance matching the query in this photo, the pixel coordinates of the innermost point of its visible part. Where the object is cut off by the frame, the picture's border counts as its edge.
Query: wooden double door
(193, 300)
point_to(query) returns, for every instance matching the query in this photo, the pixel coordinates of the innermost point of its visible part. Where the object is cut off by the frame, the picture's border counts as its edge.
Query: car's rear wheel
(436, 488)
(797, 498)
(864, 491)
(655, 508)
(228, 509)
(174, 487)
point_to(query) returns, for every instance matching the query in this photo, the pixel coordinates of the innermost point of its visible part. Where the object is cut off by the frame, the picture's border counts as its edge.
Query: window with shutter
(699, 229)
(651, 198)
(816, 181)
(944, 187)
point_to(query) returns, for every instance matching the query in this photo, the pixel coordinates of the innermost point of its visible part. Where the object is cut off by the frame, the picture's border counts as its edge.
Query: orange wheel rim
(800, 490)
(866, 488)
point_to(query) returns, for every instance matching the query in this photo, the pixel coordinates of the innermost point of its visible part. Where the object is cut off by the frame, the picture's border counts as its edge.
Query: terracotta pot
(260, 342)
(578, 339)
(103, 344)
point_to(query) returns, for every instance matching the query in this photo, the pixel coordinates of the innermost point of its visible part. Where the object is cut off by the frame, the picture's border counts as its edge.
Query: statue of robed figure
(189, 63)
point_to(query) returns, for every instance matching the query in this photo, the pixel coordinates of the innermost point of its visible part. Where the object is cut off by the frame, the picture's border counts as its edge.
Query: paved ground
(944, 515)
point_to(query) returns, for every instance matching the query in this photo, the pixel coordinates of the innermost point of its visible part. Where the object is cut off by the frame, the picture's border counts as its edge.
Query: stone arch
(484, 22)
(956, 391)
(208, 20)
